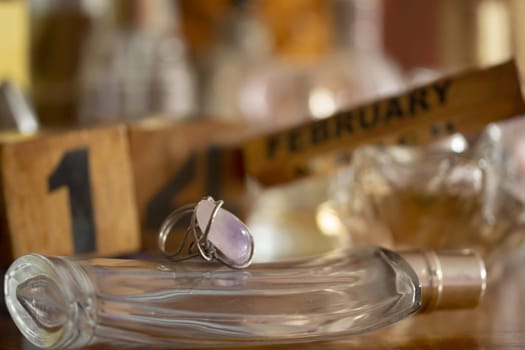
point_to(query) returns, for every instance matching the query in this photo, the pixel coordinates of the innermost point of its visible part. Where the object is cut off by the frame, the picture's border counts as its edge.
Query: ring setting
(215, 233)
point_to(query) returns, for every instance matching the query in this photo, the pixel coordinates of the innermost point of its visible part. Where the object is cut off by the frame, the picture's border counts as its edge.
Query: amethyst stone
(227, 233)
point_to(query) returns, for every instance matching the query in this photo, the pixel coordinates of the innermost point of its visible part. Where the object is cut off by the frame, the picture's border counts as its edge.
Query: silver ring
(215, 233)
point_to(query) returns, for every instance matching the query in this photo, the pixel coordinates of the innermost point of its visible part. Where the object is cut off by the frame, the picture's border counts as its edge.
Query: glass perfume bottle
(59, 302)
(434, 197)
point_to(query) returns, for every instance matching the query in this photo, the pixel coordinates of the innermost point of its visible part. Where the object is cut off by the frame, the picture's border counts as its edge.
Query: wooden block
(176, 163)
(67, 193)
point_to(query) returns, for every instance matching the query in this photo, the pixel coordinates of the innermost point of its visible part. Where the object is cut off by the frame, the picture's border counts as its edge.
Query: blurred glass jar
(135, 65)
(405, 197)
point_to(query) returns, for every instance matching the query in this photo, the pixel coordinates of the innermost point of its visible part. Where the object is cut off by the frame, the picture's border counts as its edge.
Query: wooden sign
(461, 103)
(67, 193)
(175, 163)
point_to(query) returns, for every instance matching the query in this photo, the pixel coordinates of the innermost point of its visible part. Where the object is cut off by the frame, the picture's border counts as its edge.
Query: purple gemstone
(227, 233)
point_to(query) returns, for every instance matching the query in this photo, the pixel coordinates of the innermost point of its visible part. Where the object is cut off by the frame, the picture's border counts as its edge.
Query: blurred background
(269, 62)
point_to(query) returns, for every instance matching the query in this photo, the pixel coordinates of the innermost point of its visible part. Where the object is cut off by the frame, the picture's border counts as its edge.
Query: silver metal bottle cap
(449, 279)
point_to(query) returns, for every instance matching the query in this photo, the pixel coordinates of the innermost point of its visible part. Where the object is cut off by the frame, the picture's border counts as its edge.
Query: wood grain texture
(39, 219)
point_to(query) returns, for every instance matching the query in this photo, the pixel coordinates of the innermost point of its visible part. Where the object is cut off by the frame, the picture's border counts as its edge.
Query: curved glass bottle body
(63, 303)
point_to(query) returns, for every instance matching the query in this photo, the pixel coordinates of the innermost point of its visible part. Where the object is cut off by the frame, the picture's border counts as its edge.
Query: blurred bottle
(59, 29)
(358, 69)
(286, 220)
(244, 44)
(246, 79)
(435, 197)
(301, 34)
(135, 65)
